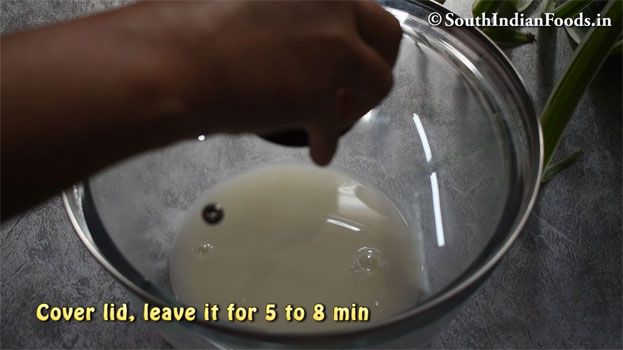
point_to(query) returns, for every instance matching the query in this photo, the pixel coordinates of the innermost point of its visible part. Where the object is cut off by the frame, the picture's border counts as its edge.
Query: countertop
(559, 286)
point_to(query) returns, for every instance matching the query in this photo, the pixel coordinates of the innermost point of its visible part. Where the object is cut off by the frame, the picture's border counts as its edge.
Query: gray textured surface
(558, 287)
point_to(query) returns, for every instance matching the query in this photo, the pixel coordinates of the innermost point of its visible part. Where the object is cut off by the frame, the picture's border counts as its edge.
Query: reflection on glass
(433, 182)
(437, 209)
(401, 16)
(343, 224)
(420, 130)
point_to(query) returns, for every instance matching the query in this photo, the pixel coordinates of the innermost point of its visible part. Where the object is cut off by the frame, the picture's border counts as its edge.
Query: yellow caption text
(111, 312)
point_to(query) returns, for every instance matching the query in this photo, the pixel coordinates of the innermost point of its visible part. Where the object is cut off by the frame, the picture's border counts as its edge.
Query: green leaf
(508, 37)
(504, 8)
(548, 6)
(553, 170)
(571, 8)
(577, 33)
(521, 5)
(585, 63)
(484, 6)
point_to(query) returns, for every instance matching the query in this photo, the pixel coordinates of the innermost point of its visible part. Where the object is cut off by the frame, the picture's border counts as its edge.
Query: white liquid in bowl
(299, 235)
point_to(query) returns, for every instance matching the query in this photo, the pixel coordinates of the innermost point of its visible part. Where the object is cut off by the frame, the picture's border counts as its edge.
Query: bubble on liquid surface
(213, 213)
(368, 261)
(203, 249)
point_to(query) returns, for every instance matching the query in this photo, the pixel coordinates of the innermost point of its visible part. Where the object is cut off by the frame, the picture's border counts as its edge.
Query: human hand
(261, 66)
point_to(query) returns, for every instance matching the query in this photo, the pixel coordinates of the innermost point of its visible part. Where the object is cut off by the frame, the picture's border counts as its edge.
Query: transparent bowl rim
(468, 284)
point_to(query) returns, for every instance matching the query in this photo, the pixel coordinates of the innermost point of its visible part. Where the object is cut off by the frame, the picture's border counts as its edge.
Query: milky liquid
(300, 235)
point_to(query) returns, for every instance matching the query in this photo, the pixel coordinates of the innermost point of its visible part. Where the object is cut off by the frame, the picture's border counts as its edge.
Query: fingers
(369, 79)
(353, 107)
(322, 143)
(323, 137)
(379, 29)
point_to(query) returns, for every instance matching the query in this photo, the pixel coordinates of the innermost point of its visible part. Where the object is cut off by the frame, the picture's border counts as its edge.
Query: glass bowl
(456, 147)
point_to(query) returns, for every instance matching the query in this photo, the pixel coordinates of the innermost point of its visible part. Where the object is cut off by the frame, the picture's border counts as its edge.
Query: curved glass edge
(443, 302)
